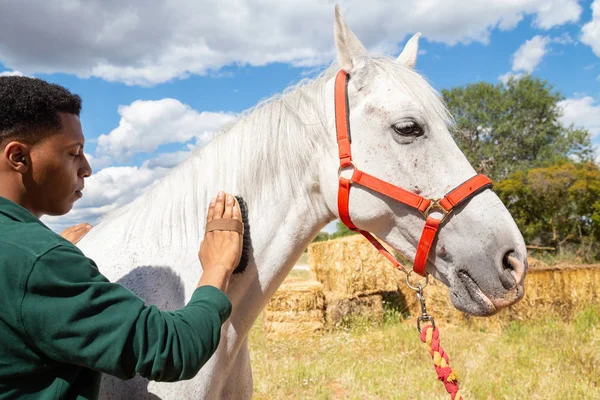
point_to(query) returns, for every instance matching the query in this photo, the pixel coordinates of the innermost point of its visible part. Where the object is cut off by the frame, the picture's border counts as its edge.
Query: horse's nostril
(513, 267)
(506, 260)
(507, 274)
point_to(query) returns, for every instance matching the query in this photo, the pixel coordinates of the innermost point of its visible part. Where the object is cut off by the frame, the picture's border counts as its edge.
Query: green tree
(321, 237)
(557, 205)
(504, 128)
(342, 230)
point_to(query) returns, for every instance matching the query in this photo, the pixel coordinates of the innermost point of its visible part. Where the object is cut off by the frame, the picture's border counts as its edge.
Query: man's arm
(73, 314)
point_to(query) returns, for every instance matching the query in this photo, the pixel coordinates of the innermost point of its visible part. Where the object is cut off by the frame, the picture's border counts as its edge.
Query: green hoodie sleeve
(74, 315)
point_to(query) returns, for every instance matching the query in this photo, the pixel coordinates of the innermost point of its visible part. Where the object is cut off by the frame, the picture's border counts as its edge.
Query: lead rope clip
(424, 317)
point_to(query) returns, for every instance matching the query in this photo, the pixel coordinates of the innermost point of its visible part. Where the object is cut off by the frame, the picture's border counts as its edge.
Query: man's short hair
(29, 107)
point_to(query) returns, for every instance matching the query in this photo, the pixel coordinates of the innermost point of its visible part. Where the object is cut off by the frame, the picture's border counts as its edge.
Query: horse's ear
(349, 48)
(408, 56)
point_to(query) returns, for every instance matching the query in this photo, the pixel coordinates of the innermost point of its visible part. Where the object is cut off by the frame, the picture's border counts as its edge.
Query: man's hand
(220, 250)
(75, 233)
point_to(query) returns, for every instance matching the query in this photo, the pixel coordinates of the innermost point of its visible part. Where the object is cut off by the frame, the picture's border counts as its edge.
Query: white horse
(282, 158)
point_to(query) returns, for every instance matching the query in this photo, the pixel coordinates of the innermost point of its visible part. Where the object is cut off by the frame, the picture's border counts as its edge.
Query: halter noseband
(457, 196)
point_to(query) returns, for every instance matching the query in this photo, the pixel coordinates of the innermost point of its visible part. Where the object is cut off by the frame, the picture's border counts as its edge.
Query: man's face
(58, 167)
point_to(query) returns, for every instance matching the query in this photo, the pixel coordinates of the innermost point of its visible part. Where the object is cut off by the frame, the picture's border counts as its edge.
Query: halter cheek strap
(427, 207)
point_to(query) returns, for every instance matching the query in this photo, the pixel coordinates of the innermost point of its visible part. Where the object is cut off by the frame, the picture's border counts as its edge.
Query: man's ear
(16, 154)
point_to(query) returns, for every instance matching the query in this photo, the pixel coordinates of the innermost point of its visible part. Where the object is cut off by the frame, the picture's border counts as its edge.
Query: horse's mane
(278, 138)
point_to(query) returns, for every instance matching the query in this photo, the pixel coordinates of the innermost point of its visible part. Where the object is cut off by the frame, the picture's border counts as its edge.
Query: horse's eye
(409, 128)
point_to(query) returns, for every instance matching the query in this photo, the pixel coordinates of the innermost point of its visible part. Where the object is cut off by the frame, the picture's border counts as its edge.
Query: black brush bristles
(247, 245)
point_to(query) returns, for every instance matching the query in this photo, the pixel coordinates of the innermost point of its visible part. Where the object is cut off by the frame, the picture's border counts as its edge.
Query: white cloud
(97, 163)
(557, 12)
(582, 112)
(106, 191)
(146, 125)
(330, 227)
(118, 185)
(563, 39)
(11, 73)
(148, 42)
(505, 78)
(591, 30)
(530, 54)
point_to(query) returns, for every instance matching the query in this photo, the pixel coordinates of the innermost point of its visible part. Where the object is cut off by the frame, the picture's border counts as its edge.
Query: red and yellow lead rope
(431, 337)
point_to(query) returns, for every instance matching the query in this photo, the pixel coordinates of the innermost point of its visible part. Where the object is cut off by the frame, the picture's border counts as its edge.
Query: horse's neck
(282, 228)
(167, 217)
(166, 224)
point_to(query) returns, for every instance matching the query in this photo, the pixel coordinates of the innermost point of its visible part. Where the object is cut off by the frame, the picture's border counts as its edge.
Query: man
(62, 322)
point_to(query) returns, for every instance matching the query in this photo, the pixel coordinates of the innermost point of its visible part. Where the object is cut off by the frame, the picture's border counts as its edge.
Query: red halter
(462, 193)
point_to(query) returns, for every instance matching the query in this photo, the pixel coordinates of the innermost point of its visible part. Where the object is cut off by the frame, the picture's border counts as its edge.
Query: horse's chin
(466, 296)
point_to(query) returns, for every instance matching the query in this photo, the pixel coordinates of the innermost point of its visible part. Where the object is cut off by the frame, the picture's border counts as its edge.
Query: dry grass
(546, 359)
(545, 347)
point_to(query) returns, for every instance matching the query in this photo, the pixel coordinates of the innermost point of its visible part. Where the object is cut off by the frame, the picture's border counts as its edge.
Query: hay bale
(297, 296)
(365, 308)
(296, 309)
(294, 316)
(534, 263)
(550, 291)
(351, 267)
(560, 291)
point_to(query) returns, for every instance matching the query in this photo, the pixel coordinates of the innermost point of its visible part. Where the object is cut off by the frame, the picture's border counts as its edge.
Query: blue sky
(145, 72)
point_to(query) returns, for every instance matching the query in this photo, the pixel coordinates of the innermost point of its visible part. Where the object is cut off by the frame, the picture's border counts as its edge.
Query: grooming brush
(247, 244)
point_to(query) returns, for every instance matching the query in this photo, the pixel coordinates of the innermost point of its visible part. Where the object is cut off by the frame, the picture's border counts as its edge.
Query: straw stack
(561, 291)
(296, 309)
(350, 267)
(366, 308)
(352, 272)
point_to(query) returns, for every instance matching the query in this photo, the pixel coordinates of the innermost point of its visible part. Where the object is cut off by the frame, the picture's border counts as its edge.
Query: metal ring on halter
(435, 206)
(351, 165)
(419, 287)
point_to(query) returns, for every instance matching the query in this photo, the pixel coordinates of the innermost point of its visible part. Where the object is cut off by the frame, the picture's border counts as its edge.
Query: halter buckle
(435, 206)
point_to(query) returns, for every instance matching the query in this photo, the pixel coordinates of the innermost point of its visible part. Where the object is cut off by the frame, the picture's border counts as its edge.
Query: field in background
(554, 356)
(546, 359)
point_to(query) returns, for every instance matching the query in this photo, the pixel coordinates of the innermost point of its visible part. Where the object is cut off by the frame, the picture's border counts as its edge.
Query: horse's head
(399, 132)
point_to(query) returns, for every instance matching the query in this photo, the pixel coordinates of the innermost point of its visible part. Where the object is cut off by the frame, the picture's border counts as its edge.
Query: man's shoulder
(30, 239)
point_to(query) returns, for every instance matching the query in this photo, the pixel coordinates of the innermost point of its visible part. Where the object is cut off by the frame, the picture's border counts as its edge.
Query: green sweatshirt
(62, 323)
